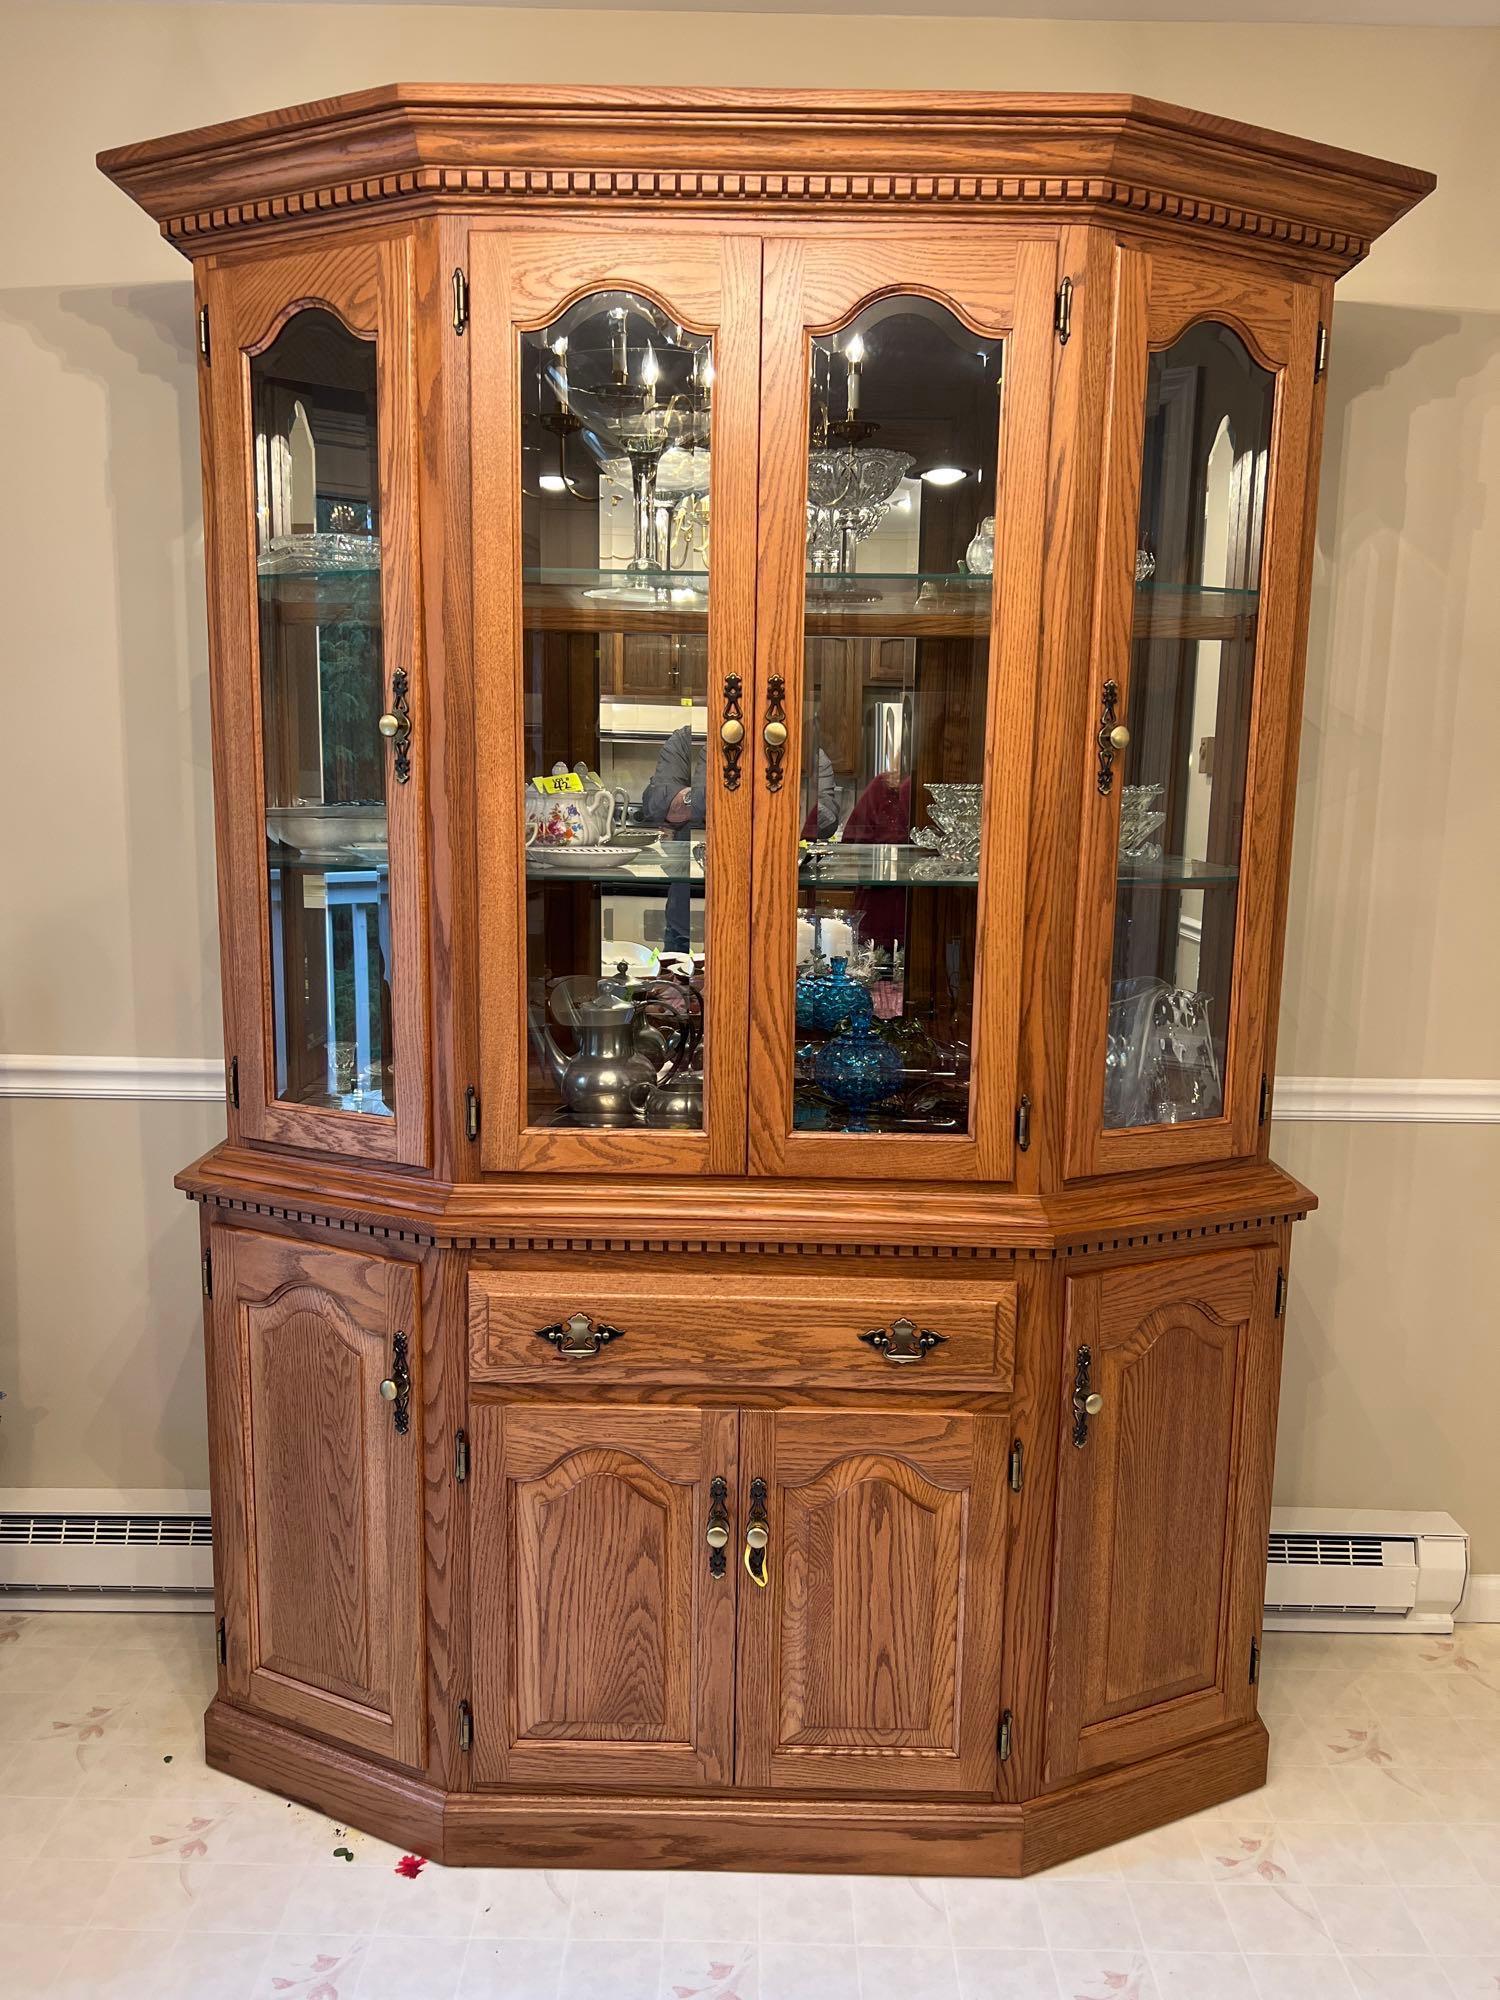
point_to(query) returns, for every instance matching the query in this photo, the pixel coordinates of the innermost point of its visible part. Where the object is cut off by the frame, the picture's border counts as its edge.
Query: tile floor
(1369, 1866)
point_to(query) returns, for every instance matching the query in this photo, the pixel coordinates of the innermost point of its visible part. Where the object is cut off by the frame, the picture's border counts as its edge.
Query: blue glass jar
(827, 999)
(858, 1069)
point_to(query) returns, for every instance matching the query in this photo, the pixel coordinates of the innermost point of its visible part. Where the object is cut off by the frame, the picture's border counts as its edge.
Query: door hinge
(1002, 1738)
(221, 1643)
(234, 1082)
(1280, 1293)
(1320, 353)
(203, 340)
(1062, 317)
(1023, 1125)
(1265, 1099)
(208, 1274)
(471, 1112)
(461, 1456)
(1254, 1661)
(465, 1726)
(460, 300)
(1017, 1465)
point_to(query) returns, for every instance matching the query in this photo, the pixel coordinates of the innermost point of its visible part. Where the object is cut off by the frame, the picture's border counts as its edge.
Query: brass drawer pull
(757, 1536)
(1087, 1402)
(395, 726)
(578, 1336)
(716, 1534)
(903, 1340)
(774, 733)
(396, 1388)
(732, 731)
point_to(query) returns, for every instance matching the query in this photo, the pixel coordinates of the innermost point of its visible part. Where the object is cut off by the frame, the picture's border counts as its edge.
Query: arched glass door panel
(902, 451)
(1184, 771)
(616, 453)
(325, 761)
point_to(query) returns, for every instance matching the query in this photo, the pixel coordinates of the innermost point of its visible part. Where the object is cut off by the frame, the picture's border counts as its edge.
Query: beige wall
(1393, 1370)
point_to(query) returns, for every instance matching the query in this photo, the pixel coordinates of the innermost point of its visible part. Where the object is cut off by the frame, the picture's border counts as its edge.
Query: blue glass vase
(827, 999)
(858, 1069)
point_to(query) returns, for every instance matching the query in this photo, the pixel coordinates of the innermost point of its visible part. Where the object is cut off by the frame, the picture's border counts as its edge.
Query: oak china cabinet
(757, 647)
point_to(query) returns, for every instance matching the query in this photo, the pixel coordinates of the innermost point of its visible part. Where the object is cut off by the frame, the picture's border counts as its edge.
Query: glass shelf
(1176, 611)
(854, 865)
(1175, 871)
(915, 605)
(642, 871)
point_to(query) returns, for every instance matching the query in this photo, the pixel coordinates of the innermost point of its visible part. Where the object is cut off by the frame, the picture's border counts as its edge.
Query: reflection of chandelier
(849, 489)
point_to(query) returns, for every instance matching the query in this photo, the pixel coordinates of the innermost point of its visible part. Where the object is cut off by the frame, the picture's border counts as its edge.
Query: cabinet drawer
(667, 1320)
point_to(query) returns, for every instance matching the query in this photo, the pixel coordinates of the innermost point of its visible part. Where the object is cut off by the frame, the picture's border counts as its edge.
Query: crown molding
(1052, 157)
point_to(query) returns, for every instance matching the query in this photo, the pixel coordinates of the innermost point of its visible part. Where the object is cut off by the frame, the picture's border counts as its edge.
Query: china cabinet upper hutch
(756, 655)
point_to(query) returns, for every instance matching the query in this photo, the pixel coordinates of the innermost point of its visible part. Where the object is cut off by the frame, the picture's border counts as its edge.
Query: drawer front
(635, 1320)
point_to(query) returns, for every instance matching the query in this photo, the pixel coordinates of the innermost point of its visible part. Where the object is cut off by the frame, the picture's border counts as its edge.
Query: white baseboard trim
(1386, 1100)
(133, 1078)
(1481, 1601)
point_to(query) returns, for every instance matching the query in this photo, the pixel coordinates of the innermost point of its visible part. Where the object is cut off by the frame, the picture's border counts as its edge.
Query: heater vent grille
(132, 1531)
(1335, 1551)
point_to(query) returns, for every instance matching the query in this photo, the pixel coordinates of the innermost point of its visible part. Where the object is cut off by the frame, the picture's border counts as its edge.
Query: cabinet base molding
(805, 1836)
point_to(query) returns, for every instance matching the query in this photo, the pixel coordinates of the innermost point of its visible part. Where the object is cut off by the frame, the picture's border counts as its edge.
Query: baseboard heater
(90, 1550)
(1363, 1570)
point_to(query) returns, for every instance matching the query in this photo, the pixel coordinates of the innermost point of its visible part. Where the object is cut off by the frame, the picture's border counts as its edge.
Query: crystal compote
(849, 490)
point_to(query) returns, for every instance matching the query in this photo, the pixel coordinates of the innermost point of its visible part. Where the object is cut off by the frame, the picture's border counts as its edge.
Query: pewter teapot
(632, 1045)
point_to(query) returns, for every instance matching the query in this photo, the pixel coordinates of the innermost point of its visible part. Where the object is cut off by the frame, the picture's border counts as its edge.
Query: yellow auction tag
(568, 782)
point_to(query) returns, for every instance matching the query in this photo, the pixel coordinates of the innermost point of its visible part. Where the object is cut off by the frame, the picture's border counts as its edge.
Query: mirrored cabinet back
(757, 648)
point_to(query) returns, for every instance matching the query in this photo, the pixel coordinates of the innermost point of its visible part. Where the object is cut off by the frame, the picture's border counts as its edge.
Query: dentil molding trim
(1349, 1100)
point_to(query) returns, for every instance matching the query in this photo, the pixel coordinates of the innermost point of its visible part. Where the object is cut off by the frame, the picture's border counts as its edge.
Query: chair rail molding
(136, 1078)
(1348, 1100)
(1388, 1100)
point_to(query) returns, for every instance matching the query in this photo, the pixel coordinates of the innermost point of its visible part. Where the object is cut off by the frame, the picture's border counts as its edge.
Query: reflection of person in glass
(676, 799)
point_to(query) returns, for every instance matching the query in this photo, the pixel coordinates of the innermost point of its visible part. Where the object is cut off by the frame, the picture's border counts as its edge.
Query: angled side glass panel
(902, 452)
(317, 498)
(617, 412)
(1198, 559)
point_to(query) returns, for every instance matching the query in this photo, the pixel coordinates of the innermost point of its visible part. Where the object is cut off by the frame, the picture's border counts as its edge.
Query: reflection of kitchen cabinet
(743, 1505)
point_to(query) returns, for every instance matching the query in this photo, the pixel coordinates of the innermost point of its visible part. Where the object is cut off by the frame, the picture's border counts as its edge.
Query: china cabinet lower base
(812, 1836)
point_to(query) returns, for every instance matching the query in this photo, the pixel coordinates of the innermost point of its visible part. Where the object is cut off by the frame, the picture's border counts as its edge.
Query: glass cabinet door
(613, 422)
(897, 616)
(1185, 764)
(330, 1051)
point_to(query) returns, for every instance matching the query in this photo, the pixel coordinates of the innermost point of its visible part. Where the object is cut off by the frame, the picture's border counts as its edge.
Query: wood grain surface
(320, 1497)
(736, 1320)
(1162, 1510)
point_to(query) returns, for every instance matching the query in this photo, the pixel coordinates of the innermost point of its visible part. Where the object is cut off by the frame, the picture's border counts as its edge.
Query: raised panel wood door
(905, 397)
(613, 381)
(869, 1660)
(603, 1615)
(1188, 741)
(319, 698)
(1164, 1501)
(318, 1488)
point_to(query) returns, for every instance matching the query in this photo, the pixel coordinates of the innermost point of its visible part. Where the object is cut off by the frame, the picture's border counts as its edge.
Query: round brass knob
(757, 1535)
(389, 725)
(388, 1390)
(1093, 1404)
(775, 734)
(732, 732)
(717, 1535)
(1119, 736)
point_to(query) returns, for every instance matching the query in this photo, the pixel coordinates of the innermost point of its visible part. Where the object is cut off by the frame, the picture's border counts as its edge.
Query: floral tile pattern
(1368, 1868)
